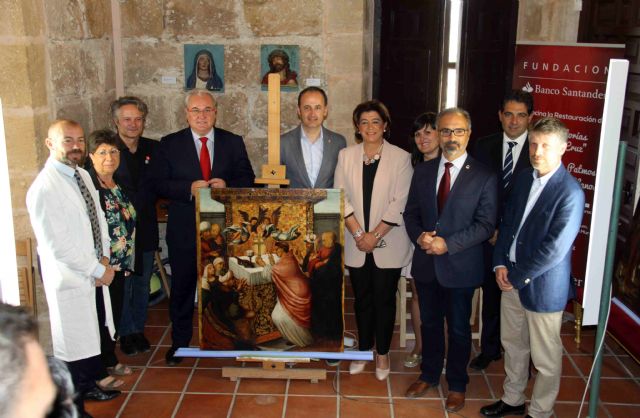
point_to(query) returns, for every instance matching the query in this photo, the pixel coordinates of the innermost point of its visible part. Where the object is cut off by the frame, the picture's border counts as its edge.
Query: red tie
(205, 160)
(443, 189)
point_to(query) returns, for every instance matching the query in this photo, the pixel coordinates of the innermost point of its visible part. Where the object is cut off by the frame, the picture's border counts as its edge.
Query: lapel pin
(467, 166)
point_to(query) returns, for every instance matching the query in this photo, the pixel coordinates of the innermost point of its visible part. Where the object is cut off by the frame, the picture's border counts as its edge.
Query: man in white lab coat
(73, 245)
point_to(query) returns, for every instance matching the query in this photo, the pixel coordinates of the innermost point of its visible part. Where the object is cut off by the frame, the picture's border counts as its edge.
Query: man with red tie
(450, 212)
(186, 161)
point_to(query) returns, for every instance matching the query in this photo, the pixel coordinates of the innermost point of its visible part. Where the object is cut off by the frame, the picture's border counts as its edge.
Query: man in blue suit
(507, 153)
(450, 212)
(532, 260)
(186, 161)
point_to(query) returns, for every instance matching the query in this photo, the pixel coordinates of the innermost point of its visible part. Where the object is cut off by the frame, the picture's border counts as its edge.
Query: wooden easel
(274, 176)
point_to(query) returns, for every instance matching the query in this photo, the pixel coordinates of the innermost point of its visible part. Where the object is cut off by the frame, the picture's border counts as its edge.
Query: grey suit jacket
(291, 156)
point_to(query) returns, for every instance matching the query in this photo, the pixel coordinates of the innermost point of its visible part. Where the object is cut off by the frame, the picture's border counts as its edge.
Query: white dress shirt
(312, 154)
(198, 144)
(537, 187)
(454, 170)
(517, 148)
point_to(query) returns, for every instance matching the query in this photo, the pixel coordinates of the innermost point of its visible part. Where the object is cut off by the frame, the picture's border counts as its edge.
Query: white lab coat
(67, 256)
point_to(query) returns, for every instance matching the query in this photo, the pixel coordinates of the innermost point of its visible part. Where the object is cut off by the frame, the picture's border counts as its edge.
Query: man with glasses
(197, 157)
(505, 153)
(129, 115)
(451, 210)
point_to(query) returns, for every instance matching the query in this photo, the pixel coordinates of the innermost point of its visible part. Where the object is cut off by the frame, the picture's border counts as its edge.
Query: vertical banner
(568, 82)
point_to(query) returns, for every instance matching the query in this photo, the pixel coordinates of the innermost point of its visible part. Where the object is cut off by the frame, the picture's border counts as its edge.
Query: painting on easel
(271, 267)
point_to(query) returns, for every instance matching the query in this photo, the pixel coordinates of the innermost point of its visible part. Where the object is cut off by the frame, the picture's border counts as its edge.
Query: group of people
(460, 221)
(97, 232)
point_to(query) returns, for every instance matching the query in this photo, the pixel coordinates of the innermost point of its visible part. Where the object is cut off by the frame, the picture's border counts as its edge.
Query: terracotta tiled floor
(197, 389)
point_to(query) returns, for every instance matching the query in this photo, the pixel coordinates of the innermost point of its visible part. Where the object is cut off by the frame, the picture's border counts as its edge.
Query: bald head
(66, 142)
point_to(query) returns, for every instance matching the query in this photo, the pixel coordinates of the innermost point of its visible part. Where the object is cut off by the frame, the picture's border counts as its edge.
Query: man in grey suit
(310, 151)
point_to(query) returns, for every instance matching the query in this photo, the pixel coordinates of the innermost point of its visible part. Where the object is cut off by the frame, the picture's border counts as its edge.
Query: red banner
(568, 82)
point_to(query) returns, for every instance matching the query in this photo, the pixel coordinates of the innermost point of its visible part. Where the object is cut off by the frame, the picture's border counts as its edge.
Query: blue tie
(507, 169)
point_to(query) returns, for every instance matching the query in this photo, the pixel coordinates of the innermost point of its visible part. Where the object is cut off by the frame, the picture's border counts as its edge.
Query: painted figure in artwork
(292, 313)
(204, 75)
(279, 64)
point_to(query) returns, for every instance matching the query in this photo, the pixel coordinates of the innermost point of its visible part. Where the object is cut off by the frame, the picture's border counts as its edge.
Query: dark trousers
(184, 277)
(107, 345)
(438, 303)
(374, 290)
(490, 337)
(84, 374)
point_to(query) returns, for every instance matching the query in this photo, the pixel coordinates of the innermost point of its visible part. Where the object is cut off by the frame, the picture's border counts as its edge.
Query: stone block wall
(329, 34)
(548, 21)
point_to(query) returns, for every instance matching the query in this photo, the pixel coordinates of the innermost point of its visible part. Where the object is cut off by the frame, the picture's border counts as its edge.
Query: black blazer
(176, 165)
(488, 150)
(133, 175)
(467, 220)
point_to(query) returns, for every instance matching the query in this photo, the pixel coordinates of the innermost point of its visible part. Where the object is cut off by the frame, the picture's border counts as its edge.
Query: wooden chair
(27, 284)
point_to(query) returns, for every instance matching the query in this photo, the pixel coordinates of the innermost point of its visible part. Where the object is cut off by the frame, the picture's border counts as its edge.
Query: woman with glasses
(424, 145)
(121, 220)
(375, 176)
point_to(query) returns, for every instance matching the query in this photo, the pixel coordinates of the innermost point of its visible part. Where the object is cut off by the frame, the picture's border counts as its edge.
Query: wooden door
(486, 60)
(410, 50)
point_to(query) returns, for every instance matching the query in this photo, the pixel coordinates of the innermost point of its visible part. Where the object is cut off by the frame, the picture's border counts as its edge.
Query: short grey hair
(128, 100)
(453, 111)
(198, 92)
(549, 126)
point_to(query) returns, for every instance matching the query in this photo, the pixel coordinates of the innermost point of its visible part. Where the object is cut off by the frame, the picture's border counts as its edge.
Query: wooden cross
(273, 173)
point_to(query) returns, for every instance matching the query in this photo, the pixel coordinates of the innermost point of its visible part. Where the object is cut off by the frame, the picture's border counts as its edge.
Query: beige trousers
(526, 334)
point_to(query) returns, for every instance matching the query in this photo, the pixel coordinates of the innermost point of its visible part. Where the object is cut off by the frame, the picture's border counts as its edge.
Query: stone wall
(329, 33)
(548, 21)
(24, 98)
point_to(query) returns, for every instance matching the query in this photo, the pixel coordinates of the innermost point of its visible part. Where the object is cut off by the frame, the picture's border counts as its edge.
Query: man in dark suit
(507, 154)
(532, 263)
(196, 157)
(129, 115)
(310, 151)
(450, 212)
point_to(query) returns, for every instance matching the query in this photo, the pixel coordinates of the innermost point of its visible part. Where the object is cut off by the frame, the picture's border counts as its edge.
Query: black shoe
(170, 357)
(128, 345)
(501, 409)
(482, 362)
(141, 343)
(97, 394)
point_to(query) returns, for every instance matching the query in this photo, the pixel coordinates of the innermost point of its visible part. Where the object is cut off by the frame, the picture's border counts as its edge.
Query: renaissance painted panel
(271, 267)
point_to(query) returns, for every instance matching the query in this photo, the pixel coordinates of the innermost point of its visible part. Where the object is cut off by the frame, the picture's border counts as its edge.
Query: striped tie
(91, 211)
(507, 169)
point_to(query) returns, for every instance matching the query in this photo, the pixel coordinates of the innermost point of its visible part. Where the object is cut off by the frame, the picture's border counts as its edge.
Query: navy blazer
(488, 150)
(176, 165)
(543, 250)
(468, 219)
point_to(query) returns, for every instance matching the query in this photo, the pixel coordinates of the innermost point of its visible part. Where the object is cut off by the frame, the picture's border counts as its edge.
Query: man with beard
(74, 248)
(450, 212)
(279, 64)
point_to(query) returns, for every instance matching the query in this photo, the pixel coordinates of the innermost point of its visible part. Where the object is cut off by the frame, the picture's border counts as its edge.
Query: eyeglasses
(456, 132)
(103, 153)
(206, 111)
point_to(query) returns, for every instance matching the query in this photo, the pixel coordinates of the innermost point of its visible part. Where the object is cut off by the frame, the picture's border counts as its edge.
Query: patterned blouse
(121, 218)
